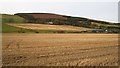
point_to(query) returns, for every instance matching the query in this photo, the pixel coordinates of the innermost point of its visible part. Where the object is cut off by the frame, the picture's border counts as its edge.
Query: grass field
(12, 19)
(11, 29)
(60, 49)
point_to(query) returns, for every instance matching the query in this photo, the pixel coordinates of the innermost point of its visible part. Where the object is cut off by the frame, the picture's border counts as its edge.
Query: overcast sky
(106, 10)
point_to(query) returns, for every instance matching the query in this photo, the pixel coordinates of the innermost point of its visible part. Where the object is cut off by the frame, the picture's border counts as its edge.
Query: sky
(105, 10)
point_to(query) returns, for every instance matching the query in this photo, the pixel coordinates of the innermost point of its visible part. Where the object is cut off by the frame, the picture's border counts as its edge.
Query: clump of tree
(28, 17)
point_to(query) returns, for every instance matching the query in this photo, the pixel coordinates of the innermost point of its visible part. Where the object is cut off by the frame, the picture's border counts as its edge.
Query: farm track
(60, 50)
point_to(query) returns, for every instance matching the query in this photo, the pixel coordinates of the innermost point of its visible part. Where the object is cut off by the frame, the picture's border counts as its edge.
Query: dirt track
(60, 49)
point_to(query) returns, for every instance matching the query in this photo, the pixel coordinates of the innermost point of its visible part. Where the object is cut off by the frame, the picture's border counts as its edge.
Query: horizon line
(62, 14)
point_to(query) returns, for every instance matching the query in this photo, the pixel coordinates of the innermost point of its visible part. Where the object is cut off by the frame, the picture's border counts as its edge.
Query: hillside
(38, 17)
(7, 18)
(57, 19)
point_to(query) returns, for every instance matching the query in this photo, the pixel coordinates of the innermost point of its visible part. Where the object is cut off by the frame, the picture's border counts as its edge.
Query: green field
(10, 29)
(12, 19)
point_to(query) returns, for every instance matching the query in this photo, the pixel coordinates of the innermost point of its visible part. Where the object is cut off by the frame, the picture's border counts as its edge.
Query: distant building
(50, 23)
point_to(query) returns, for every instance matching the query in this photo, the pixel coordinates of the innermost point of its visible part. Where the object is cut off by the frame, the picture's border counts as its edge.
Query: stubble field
(59, 49)
(49, 27)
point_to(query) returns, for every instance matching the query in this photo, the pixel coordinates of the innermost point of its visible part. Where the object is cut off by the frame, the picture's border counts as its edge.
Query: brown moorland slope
(43, 15)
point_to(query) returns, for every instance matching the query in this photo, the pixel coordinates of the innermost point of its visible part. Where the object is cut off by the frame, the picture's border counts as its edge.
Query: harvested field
(60, 49)
(49, 27)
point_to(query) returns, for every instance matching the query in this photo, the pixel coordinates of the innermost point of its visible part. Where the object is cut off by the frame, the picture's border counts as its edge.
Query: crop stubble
(60, 49)
(49, 27)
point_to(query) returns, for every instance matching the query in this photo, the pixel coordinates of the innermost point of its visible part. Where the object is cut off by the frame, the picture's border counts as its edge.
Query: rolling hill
(57, 19)
(7, 18)
(62, 19)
